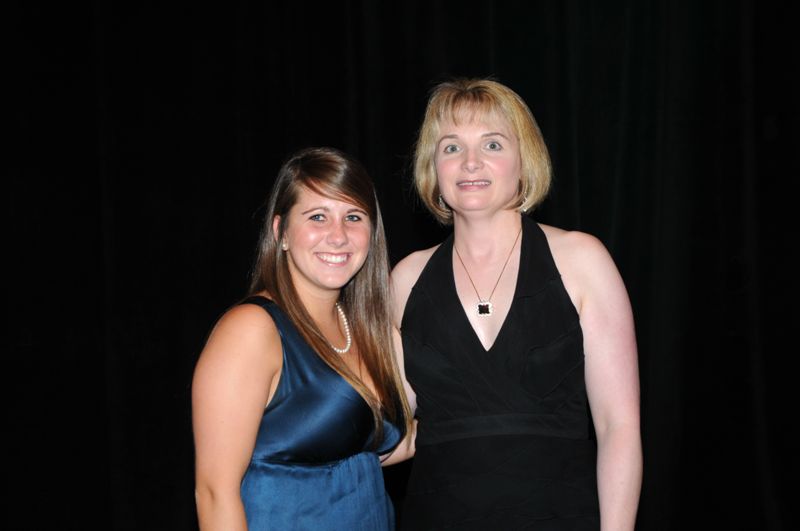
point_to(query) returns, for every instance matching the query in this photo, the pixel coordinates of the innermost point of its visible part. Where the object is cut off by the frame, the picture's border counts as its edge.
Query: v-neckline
(321, 363)
(462, 311)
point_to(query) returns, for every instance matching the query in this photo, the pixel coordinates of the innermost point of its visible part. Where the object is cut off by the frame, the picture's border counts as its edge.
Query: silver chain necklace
(485, 308)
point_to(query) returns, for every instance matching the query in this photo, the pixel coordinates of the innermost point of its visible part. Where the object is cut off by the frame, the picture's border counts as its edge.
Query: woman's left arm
(612, 375)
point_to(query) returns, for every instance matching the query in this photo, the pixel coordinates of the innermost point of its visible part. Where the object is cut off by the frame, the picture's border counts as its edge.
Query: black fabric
(503, 438)
(143, 138)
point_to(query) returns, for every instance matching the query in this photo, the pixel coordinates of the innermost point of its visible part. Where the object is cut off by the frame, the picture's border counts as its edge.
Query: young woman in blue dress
(297, 395)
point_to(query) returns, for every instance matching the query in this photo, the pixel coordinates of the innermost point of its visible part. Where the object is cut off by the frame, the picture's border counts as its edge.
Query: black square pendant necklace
(484, 307)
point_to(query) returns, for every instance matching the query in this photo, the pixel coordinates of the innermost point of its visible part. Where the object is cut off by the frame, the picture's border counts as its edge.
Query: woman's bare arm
(233, 381)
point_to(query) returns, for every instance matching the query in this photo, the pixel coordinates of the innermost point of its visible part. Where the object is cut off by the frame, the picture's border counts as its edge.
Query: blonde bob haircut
(470, 100)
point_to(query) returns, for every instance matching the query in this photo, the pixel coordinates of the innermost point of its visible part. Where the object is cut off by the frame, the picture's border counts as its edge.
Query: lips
(333, 258)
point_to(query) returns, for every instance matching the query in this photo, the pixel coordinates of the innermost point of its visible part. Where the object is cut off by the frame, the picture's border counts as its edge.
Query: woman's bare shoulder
(245, 330)
(582, 260)
(412, 265)
(404, 275)
(569, 242)
(576, 252)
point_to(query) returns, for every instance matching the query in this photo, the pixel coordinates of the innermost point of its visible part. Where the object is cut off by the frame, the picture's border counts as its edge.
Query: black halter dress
(504, 438)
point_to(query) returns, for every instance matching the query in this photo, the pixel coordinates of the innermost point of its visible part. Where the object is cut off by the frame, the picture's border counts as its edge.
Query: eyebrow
(484, 135)
(326, 209)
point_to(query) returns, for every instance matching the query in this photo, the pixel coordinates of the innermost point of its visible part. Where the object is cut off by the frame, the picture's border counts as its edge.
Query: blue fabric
(315, 464)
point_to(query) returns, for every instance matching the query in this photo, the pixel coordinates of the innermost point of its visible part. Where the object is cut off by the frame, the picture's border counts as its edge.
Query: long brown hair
(365, 298)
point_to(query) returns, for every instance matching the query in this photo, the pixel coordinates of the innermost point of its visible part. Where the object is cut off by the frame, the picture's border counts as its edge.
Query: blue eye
(494, 145)
(317, 217)
(451, 148)
(353, 217)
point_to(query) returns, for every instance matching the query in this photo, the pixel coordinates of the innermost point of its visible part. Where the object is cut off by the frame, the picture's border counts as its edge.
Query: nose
(472, 160)
(337, 236)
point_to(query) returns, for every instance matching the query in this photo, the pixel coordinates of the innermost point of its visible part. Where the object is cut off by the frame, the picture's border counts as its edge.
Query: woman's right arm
(233, 381)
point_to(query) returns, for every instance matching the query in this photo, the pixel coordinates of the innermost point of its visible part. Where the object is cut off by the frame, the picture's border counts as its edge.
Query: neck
(321, 307)
(481, 239)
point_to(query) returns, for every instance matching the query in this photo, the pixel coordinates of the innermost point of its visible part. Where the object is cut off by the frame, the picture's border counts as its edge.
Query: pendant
(485, 309)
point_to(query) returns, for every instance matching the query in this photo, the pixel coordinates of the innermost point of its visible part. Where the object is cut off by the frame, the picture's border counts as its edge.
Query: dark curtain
(143, 139)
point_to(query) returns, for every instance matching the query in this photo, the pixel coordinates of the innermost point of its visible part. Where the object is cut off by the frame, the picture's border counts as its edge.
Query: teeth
(474, 183)
(333, 258)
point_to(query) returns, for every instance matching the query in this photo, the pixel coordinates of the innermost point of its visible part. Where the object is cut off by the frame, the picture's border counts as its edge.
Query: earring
(442, 204)
(284, 245)
(524, 200)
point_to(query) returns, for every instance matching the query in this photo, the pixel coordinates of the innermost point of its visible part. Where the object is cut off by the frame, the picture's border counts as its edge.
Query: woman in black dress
(518, 338)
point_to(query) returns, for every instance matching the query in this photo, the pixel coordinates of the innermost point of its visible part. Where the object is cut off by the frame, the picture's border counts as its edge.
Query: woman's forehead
(314, 193)
(491, 120)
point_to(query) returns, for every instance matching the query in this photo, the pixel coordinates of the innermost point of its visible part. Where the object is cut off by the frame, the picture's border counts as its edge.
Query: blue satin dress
(315, 465)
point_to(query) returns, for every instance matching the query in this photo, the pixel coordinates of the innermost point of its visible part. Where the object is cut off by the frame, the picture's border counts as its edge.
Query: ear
(276, 223)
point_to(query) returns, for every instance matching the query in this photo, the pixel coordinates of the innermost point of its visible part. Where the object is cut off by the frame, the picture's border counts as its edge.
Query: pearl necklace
(346, 325)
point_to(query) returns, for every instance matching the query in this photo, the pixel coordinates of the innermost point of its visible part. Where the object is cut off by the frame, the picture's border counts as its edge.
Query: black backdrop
(144, 138)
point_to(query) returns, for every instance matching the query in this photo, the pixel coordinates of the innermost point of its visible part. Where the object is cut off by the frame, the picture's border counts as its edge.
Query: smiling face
(478, 165)
(327, 241)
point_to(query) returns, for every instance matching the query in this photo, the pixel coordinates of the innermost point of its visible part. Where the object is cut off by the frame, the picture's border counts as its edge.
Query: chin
(336, 281)
(467, 209)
